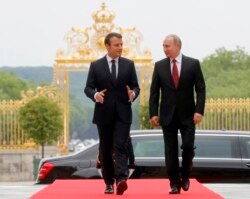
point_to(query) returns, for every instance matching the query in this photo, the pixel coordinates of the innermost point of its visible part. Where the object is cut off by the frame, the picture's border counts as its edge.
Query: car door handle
(248, 164)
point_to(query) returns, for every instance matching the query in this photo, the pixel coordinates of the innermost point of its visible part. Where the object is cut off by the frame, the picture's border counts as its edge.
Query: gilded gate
(11, 134)
(85, 45)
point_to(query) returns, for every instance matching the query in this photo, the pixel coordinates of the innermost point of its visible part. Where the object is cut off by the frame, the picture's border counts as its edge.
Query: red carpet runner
(142, 189)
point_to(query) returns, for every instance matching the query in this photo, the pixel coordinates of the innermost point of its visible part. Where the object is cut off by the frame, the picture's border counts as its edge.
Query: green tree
(42, 120)
(11, 86)
(144, 117)
(79, 117)
(226, 73)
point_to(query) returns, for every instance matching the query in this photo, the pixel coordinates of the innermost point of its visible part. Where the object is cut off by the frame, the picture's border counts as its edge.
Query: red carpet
(142, 189)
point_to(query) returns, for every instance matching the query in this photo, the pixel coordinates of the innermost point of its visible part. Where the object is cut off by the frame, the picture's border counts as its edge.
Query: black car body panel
(220, 156)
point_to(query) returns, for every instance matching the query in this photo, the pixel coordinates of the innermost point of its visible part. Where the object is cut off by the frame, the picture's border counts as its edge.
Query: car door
(86, 163)
(217, 158)
(245, 152)
(149, 156)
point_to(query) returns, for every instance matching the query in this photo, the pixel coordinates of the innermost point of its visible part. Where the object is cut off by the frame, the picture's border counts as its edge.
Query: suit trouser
(114, 140)
(130, 152)
(170, 133)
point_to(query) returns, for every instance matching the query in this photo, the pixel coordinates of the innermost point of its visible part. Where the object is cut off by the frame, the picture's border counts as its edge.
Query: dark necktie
(113, 70)
(175, 74)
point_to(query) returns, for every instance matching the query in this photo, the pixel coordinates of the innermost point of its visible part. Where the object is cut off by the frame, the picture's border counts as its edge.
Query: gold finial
(103, 15)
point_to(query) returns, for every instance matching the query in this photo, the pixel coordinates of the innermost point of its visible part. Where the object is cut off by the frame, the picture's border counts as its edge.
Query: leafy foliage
(42, 119)
(80, 119)
(11, 86)
(144, 117)
(226, 73)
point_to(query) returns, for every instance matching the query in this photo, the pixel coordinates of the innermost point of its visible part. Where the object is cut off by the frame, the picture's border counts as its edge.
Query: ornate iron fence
(11, 134)
(232, 114)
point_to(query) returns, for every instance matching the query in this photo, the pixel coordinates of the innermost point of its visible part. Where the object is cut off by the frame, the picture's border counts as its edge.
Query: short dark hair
(110, 35)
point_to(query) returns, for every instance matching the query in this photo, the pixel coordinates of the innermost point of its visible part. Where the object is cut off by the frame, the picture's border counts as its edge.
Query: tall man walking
(112, 84)
(176, 79)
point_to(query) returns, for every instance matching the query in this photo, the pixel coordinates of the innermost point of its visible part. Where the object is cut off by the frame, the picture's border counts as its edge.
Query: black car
(220, 156)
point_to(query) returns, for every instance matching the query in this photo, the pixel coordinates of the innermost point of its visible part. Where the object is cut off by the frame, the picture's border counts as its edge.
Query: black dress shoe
(121, 187)
(109, 189)
(174, 190)
(185, 183)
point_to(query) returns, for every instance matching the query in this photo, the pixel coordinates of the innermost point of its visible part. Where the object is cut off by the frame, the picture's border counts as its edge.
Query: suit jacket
(116, 100)
(181, 99)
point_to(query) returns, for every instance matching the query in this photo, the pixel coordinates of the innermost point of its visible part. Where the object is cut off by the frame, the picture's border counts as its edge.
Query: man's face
(115, 47)
(171, 49)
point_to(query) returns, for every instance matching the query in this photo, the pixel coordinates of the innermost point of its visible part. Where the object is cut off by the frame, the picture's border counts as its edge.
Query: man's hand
(131, 94)
(197, 118)
(155, 121)
(99, 97)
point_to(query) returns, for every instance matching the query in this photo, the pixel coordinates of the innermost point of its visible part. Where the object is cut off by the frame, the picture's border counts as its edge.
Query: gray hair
(177, 39)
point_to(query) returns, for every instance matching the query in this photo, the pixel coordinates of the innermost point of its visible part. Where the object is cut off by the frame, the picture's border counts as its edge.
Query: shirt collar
(178, 58)
(109, 59)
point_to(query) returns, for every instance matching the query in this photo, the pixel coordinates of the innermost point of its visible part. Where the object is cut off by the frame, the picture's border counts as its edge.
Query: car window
(245, 147)
(148, 147)
(214, 147)
(248, 148)
(211, 146)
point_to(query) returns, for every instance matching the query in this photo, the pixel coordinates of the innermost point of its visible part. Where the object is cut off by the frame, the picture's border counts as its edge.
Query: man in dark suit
(112, 84)
(176, 79)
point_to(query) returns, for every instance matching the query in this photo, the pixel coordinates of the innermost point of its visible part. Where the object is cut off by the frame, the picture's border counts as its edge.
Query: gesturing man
(112, 84)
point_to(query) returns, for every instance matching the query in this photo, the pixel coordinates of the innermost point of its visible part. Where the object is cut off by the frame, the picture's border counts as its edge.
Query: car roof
(159, 131)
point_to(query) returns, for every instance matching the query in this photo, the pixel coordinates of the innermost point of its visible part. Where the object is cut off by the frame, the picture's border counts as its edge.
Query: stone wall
(22, 165)
(17, 165)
